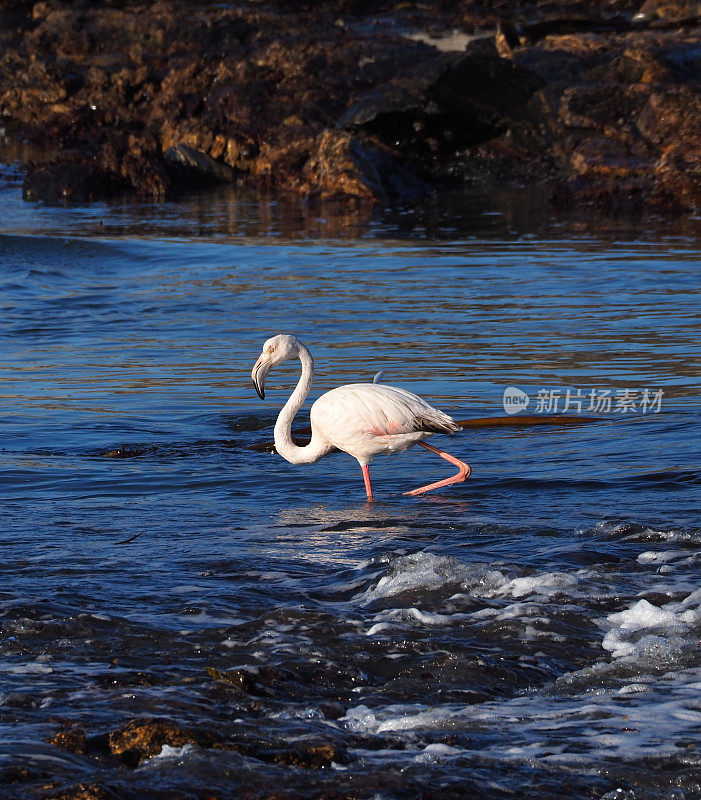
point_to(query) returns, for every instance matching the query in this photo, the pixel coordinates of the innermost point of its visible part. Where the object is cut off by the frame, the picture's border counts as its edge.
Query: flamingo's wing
(367, 409)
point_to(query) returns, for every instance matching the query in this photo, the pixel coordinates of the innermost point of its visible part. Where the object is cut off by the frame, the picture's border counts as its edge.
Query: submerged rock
(238, 678)
(140, 739)
(84, 791)
(311, 756)
(72, 739)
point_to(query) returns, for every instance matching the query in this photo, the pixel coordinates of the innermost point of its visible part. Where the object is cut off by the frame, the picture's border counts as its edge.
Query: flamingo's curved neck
(283, 427)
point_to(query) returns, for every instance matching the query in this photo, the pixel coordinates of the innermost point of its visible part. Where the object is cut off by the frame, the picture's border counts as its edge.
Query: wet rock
(144, 98)
(640, 65)
(342, 165)
(667, 12)
(236, 150)
(140, 739)
(608, 108)
(506, 39)
(670, 116)
(671, 122)
(238, 678)
(684, 62)
(72, 740)
(305, 754)
(607, 157)
(127, 679)
(678, 174)
(190, 164)
(597, 20)
(136, 163)
(84, 791)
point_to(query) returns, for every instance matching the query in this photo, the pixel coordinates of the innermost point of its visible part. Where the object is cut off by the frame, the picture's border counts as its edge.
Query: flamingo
(362, 419)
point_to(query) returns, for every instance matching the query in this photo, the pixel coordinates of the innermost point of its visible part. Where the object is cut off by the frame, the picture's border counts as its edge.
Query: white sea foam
(187, 588)
(174, 752)
(33, 668)
(633, 688)
(629, 634)
(387, 619)
(378, 627)
(518, 610)
(627, 533)
(422, 570)
(428, 571)
(204, 618)
(362, 719)
(167, 753)
(437, 753)
(546, 584)
(636, 724)
(654, 557)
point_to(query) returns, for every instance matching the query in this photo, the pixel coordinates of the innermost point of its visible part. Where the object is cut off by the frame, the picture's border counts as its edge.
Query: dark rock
(671, 122)
(684, 62)
(452, 101)
(124, 451)
(593, 20)
(14, 773)
(77, 180)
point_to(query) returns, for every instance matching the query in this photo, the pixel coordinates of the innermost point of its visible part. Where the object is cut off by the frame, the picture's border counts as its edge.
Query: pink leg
(366, 478)
(461, 476)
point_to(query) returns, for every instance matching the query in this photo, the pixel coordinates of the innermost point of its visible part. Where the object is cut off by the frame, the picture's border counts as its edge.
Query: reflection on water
(535, 629)
(230, 213)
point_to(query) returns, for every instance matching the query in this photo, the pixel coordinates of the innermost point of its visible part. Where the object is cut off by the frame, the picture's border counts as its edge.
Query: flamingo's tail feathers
(436, 424)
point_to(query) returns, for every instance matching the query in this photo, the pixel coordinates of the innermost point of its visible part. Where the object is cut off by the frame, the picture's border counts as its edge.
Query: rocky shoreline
(356, 101)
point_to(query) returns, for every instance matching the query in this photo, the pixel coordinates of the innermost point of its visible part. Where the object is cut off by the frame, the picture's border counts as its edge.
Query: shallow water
(533, 632)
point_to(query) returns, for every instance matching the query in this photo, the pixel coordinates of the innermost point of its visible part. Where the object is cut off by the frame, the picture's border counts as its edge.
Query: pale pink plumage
(367, 419)
(362, 419)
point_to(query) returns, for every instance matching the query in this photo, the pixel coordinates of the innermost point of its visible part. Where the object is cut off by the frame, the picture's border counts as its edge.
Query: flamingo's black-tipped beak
(258, 376)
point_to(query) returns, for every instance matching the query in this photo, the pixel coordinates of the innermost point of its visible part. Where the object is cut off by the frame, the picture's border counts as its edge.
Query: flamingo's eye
(271, 349)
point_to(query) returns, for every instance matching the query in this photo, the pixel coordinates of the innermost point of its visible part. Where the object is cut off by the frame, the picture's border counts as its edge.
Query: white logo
(576, 400)
(515, 400)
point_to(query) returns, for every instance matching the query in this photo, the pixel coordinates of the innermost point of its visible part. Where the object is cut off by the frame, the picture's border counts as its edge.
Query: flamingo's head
(276, 350)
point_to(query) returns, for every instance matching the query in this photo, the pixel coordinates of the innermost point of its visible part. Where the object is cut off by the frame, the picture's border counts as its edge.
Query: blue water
(531, 632)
